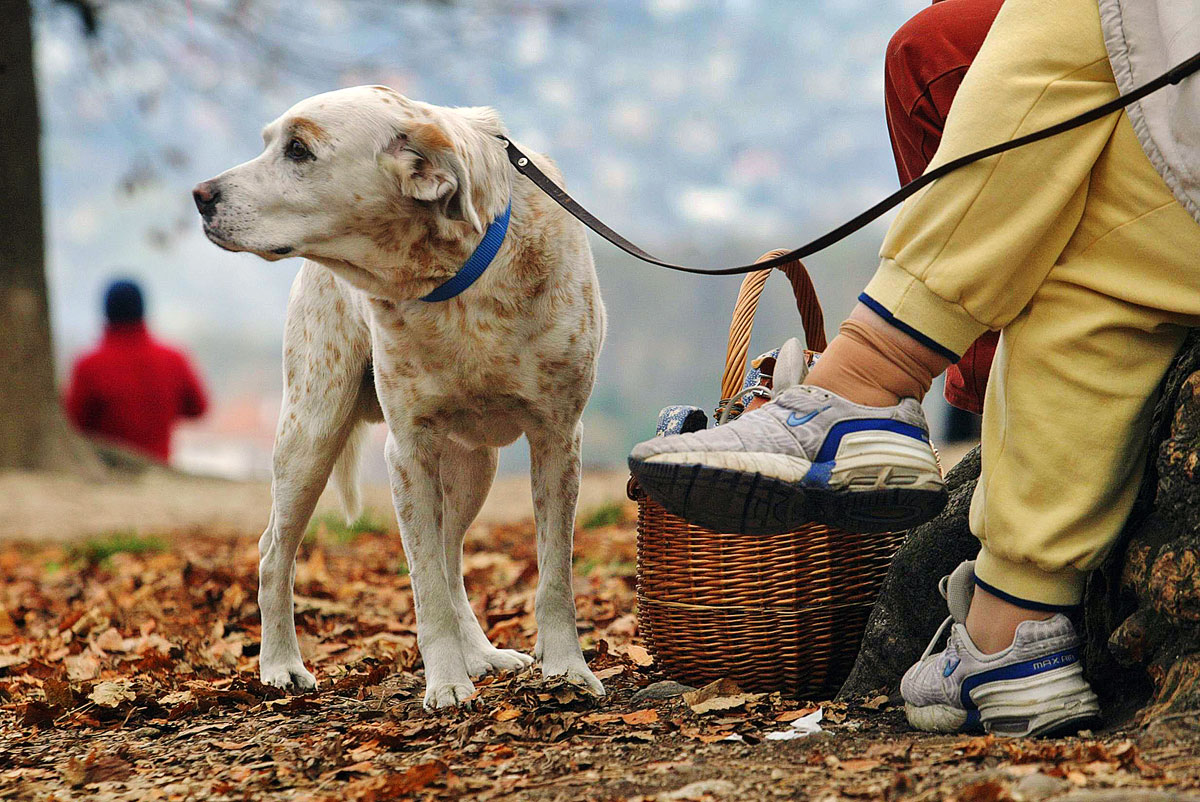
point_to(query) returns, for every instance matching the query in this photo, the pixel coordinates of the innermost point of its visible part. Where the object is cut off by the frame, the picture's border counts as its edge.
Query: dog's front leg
(467, 476)
(413, 458)
(324, 358)
(556, 466)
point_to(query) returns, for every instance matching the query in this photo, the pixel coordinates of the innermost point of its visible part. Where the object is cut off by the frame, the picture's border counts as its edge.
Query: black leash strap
(527, 168)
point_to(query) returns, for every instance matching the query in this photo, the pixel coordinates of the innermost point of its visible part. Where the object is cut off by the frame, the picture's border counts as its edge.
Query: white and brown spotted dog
(386, 198)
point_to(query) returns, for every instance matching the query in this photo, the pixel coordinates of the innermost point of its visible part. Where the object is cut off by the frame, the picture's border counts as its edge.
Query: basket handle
(746, 307)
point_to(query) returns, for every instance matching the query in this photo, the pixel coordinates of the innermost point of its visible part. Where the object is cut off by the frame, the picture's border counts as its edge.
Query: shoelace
(944, 589)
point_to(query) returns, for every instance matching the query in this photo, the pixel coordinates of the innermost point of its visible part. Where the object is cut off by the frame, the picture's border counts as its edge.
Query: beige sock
(862, 364)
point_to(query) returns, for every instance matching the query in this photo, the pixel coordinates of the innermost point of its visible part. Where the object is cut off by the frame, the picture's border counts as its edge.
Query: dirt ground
(128, 672)
(39, 506)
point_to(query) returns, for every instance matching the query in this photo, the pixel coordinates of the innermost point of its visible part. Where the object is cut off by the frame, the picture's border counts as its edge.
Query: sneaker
(1034, 687)
(808, 455)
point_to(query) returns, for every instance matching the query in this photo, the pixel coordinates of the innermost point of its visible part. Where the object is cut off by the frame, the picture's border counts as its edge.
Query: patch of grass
(331, 527)
(609, 514)
(98, 549)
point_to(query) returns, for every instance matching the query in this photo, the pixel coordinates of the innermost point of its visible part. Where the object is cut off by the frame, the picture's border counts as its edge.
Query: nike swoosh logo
(800, 420)
(950, 666)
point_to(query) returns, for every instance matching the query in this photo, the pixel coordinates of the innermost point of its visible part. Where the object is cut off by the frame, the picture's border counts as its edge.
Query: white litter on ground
(800, 728)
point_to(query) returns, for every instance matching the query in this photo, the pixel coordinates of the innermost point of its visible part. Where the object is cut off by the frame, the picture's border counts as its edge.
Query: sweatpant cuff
(907, 303)
(1026, 585)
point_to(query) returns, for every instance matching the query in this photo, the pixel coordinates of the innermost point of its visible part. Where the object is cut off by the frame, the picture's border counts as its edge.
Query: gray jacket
(1145, 38)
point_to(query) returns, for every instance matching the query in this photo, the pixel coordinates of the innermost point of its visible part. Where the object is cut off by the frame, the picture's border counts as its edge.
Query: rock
(909, 609)
(702, 789)
(666, 689)
(1037, 786)
(1141, 611)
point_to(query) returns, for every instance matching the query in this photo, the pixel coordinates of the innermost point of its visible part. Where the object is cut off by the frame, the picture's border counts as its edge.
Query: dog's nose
(206, 195)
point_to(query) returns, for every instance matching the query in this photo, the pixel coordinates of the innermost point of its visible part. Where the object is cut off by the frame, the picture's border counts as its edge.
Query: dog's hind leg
(466, 476)
(556, 466)
(326, 351)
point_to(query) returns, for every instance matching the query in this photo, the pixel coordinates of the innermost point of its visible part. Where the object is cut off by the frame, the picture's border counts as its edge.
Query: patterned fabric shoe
(807, 456)
(1034, 687)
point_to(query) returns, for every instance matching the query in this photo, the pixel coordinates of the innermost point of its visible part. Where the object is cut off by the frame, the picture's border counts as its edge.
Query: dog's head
(355, 176)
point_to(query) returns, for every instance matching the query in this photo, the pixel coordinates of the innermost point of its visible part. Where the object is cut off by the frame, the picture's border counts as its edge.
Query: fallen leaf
(877, 703)
(233, 746)
(506, 713)
(392, 786)
(112, 694)
(37, 713)
(987, 791)
(58, 693)
(792, 715)
(720, 687)
(83, 667)
(639, 656)
(722, 703)
(645, 736)
(8, 660)
(647, 716)
(175, 698)
(95, 768)
(109, 640)
(606, 673)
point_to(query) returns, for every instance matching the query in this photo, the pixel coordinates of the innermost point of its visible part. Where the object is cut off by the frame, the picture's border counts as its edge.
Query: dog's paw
(575, 672)
(493, 661)
(288, 676)
(448, 694)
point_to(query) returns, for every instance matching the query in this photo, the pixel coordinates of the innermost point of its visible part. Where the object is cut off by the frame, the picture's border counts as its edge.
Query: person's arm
(82, 404)
(193, 401)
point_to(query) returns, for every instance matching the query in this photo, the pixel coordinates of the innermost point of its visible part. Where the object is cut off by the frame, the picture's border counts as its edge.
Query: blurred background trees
(710, 130)
(33, 430)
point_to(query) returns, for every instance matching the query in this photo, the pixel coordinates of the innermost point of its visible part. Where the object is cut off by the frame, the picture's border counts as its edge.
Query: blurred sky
(708, 130)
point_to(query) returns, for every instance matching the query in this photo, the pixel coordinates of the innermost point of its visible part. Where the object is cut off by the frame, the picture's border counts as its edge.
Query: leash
(527, 168)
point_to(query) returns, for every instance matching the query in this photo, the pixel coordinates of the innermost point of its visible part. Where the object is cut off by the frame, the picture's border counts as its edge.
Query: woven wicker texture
(775, 613)
(744, 310)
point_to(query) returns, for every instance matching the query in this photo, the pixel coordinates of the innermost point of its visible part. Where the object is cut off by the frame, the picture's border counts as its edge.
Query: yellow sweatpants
(1079, 252)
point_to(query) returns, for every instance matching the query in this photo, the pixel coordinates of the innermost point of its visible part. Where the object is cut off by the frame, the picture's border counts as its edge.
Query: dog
(387, 199)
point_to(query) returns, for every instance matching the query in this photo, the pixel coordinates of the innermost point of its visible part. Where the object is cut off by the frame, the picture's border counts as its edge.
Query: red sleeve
(83, 406)
(193, 401)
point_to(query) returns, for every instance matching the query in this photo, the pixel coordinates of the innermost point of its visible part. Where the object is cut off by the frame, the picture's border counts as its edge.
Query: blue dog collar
(478, 262)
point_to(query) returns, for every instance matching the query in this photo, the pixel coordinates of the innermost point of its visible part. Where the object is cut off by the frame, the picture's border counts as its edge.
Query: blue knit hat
(123, 302)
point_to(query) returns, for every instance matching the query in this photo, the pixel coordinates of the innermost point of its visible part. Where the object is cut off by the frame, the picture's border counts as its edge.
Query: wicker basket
(775, 613)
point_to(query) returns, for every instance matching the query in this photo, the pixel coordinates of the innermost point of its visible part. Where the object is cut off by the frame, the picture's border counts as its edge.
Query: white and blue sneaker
(808, 455)
(1034, 687)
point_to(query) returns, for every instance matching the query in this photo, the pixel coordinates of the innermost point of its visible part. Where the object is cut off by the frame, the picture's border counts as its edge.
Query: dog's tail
(345, 472)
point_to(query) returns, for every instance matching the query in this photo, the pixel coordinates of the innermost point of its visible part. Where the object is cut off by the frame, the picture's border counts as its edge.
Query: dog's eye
(297, 151)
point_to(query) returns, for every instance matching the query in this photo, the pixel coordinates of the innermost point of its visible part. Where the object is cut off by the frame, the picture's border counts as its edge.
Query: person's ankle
(874, 364)
(992, 622)
(858, 392)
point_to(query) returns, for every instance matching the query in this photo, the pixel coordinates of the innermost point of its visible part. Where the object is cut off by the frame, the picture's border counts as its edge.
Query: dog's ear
(428, 168)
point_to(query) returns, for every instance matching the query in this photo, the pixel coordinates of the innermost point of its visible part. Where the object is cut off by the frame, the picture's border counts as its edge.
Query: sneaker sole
(939, 718)
(1055, 703)
(726, 500)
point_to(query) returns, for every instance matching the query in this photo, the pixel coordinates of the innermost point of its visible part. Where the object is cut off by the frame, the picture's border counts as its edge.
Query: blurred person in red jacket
(131, 389)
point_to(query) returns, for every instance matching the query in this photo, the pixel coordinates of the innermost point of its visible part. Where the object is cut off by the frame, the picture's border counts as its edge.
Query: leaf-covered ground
(128, 671)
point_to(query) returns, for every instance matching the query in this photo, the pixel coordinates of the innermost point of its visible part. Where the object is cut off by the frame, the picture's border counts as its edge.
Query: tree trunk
(34, 433)
(1141, 611)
